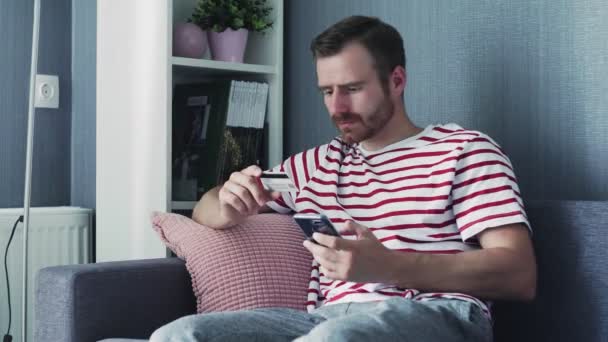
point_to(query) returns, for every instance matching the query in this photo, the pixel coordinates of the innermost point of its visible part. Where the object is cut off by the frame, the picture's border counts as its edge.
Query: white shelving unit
(220, 68)
(136, 73)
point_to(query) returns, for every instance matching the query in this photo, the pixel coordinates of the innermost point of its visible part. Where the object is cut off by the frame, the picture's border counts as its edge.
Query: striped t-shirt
(430, 193)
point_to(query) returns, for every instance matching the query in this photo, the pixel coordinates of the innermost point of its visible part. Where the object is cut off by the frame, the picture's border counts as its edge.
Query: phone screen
(310, 223)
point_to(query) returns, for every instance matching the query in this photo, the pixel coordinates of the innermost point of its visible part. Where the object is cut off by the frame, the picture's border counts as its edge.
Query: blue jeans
(395, 319)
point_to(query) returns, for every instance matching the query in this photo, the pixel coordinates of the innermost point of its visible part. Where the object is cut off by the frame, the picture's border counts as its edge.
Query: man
(432, 218)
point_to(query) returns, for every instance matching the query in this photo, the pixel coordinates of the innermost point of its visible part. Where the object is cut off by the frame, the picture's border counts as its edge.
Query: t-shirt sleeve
(299, 167)
(485, 193)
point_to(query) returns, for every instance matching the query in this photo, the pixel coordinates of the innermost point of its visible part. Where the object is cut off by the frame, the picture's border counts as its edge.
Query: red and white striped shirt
(430, 193)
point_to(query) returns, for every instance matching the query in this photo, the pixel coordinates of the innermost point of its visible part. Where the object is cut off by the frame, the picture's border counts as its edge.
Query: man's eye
(353, 89)
(326, 92)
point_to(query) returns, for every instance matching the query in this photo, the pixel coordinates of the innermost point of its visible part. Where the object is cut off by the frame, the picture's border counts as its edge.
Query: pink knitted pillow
(259, 263)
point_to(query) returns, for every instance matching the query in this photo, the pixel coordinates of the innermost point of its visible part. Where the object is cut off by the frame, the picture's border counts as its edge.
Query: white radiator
(56, 236)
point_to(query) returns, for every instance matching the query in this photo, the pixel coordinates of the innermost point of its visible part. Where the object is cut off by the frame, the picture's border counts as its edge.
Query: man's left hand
(360, 260)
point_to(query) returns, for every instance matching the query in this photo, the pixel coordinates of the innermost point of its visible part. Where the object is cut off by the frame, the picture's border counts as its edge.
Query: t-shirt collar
(407, 142)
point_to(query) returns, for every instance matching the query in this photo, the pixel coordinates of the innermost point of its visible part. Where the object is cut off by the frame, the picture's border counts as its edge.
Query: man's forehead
(352, 64)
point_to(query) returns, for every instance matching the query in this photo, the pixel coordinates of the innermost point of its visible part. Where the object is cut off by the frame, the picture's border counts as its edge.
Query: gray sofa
(131, 299)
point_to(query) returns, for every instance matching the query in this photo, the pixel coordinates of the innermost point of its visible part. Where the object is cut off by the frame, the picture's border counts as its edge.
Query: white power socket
(47, 91)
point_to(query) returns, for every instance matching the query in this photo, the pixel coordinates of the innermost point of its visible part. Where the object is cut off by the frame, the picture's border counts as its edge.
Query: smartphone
(310, 223)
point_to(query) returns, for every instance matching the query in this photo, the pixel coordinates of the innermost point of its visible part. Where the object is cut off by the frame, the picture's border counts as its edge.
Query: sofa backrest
(571, 245)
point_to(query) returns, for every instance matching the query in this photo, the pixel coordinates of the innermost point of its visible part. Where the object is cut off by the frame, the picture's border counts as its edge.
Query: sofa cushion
(259, 263)
(571, 246)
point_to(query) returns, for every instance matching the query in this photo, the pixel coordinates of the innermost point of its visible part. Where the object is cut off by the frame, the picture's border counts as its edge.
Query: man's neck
(398, 128)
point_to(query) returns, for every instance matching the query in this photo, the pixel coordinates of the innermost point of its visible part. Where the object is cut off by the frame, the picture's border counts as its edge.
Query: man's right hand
(243, 195)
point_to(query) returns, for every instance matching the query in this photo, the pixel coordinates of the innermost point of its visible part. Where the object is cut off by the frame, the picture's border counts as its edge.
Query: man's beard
(364, 128)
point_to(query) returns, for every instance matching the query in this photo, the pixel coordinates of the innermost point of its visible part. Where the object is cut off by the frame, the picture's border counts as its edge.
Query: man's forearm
(207, 211)
(493, 273)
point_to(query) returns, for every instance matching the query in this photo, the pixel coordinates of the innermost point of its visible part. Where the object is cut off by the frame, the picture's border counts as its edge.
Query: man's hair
(383, 42)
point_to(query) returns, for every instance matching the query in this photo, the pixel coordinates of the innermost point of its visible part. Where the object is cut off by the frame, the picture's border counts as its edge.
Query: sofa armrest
(127, 299)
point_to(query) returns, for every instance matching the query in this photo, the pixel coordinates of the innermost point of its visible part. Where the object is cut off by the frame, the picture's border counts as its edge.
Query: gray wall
(532, 74)
(84, 47)
(64, 153)
(51, 165)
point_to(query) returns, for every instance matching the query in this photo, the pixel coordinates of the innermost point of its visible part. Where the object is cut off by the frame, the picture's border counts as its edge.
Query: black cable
(7, 336)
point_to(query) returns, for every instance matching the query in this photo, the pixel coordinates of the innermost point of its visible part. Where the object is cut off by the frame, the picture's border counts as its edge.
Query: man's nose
(338, 103)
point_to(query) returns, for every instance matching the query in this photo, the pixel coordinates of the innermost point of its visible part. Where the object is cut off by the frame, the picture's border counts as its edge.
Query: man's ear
(398, 80)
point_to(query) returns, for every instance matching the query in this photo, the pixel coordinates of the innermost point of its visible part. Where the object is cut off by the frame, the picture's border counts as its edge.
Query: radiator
(56, 236)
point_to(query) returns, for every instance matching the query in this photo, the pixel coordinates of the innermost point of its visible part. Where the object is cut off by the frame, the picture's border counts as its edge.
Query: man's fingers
(333, 242)
(321, 251)
(243, 194)
(253, 185)
(231, 200)
(326, 240)
(253, 170)
(327, 272)
(315, 248)
(353, 228)
(275, 195)
(323, 255)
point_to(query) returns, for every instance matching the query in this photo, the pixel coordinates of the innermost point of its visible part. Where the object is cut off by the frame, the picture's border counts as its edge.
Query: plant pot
(189, 41)
(229, 45)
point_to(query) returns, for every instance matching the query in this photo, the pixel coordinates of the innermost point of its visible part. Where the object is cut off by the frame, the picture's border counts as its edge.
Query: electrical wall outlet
(47, 91)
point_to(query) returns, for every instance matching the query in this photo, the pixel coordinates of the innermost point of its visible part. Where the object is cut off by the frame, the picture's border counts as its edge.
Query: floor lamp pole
(28, 164)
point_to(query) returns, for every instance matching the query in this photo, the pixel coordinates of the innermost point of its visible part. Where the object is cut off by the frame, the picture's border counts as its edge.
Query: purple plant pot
(228, 46)
(189, 40)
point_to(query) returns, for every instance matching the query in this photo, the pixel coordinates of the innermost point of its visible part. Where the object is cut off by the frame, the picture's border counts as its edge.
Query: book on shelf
(218, 128)
(242, 141)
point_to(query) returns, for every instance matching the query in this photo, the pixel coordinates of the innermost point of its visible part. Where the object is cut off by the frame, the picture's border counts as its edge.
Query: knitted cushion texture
(258, 263)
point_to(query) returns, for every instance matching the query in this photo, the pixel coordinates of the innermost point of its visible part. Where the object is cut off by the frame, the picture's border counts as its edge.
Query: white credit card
(277, 181)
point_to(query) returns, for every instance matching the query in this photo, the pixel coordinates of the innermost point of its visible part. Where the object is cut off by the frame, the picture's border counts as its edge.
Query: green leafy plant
(219, 15)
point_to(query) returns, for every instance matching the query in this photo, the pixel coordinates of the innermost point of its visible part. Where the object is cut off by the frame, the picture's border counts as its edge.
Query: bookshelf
(205, 67)
(136, 75)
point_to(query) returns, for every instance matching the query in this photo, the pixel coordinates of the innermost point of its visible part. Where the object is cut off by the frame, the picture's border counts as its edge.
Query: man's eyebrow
(344, 85)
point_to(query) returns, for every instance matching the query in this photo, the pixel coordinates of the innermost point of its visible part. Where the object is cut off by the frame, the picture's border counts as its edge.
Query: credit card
(277, 181)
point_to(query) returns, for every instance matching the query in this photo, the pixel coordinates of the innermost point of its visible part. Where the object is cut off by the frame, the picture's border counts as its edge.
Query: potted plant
(228, 23)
